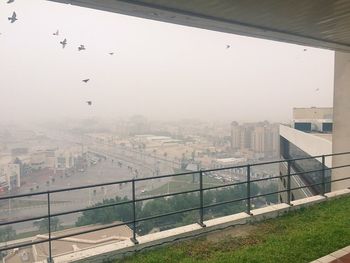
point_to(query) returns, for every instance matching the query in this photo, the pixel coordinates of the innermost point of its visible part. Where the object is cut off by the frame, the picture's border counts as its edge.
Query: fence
(201, 189)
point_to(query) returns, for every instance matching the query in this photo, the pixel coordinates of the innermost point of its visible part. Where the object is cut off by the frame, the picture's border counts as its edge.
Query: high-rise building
(259, 135)
(259, 138)
(235, 136)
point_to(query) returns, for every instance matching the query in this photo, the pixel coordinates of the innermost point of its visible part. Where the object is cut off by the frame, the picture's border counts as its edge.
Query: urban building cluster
(23, 162)
(255, 140)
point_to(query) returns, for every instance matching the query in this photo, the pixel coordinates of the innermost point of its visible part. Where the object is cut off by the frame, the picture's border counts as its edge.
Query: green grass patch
(18, 203)
(183, 183)
(297, 237)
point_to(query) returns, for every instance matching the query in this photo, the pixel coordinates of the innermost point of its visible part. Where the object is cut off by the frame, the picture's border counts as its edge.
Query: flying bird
(10, 1)
(317, 89)
(111, 53)
(305, 49)
(63, 43)
(228, 46)
(56, 33)
(85, 80)
(89, 102)
(81, 47)
(13, 18)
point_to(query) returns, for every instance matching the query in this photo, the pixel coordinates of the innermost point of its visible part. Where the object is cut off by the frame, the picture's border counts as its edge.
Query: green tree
(7, 233)
(161, 206)
(108, 214)
(43, 224)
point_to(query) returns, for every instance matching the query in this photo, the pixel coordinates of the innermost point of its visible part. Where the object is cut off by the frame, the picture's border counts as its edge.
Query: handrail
(201, 189)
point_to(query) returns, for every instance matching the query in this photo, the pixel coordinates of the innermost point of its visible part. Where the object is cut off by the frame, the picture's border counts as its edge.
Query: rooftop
(70, 244)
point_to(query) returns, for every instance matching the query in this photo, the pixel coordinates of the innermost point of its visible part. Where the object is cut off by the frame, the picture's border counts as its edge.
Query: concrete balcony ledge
(269, 212)
(121, 248)
(341, 255)
(338, 193)
(239, 218)
(308, 201)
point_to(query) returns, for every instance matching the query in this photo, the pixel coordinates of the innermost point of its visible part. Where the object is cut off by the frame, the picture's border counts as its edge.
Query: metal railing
(201, 189)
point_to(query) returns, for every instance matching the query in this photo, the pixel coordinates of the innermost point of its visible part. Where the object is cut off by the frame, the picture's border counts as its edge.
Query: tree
(161, 206)
(7, 233)
(108, 214)
(43, 224)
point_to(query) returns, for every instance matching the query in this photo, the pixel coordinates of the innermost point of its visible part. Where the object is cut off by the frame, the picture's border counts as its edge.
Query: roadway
(103, 172)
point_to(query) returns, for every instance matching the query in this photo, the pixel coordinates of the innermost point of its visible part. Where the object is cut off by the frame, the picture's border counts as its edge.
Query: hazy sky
(159, 70)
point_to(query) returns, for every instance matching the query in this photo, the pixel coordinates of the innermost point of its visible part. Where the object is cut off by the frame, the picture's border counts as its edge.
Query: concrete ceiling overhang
(317, 23)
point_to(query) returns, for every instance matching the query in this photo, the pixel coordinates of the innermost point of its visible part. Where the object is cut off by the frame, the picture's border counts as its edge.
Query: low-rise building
(10, 175)
(65, 246)
(228, 162)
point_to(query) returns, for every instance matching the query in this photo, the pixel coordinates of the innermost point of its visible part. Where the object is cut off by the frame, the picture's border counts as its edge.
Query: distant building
(261, 139)
(228, 162)
(10, 176)
(37, 160)
(19, 151)
(55, 159)
(258, 139)
(235, 136)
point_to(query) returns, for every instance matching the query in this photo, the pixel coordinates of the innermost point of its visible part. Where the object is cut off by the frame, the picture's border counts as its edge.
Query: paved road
(103, 172)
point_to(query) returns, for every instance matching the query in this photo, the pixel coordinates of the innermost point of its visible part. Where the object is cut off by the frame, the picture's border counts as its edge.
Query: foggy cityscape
(100, 99)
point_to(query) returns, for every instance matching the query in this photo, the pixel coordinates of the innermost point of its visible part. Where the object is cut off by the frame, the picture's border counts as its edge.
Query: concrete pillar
(341, 119)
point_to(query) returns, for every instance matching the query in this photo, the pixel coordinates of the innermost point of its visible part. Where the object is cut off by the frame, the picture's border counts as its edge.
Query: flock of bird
(64, 42)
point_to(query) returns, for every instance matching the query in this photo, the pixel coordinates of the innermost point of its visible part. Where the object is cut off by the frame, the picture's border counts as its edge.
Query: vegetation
(43, 224)
(19, 203)
(161, 206)
(300, 236)
(7, 233)
(108, 214)
(184, 183)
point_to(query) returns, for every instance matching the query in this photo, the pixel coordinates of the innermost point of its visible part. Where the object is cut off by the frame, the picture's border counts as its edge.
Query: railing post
(323, 191)
(49, 259)
(288, 183)
(248, 190)
(201, 212)
(133, 239)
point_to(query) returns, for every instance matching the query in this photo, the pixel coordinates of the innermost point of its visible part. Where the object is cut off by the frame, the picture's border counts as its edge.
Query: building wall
(294, 183)
(309, 143)
(13, 172)
(301, 144)
(235, 136)
(258, 139)
(312, 113)
(341, 119)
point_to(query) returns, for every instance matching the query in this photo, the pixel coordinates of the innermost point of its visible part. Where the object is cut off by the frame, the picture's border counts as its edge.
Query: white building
(10, 176)
(228, 162)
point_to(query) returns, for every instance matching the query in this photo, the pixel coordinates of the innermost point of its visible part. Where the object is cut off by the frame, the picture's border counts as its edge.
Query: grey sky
(159, 70)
